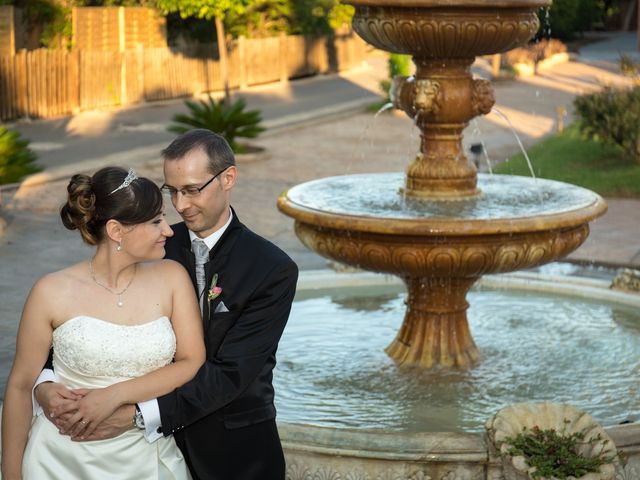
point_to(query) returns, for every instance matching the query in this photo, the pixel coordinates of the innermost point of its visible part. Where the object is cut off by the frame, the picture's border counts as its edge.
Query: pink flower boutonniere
(214, 290)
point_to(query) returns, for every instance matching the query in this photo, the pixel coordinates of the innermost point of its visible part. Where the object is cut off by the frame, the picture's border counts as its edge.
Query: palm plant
(16, 159)
(230, 121)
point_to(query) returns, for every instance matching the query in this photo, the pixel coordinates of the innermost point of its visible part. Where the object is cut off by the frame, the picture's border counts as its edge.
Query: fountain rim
(446, 4)
(427, 227)
(385, 445)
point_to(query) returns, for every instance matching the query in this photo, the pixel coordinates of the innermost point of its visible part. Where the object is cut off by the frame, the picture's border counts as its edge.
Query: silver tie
(201, 252)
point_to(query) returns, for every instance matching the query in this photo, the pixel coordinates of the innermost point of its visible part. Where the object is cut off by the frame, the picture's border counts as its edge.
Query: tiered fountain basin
(347, 412)
(440, 248)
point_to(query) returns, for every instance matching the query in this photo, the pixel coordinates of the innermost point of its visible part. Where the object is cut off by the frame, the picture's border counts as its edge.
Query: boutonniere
(214, 290)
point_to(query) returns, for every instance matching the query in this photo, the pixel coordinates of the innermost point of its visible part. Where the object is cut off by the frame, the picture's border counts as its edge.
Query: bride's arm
(99, 404)
(32, 348)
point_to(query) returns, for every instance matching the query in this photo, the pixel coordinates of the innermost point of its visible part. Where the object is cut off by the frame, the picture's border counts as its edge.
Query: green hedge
(16, 159)
(613, 117)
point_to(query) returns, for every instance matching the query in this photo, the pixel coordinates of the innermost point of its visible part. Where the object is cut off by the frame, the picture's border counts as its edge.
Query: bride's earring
(119, 247)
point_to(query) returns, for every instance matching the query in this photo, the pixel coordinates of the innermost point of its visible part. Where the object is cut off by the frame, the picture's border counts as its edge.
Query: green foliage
(612, 116)
(398, 64)
(569, 157)
(206, 9)
(55, 19)
(230, 121)
(195, 29)
(556, 455)
(565, 18)
(628, 66)
(319, 17)
(16, 160)
(261, 18)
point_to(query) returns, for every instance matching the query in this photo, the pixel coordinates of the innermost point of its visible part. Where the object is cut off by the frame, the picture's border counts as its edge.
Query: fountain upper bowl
(373, 203)
(434, 29)
(516, 223)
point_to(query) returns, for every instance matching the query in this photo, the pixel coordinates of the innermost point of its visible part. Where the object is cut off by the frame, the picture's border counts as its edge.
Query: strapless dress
(93, 353)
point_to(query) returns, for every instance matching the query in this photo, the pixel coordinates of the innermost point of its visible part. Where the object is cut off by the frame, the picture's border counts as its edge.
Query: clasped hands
(85, 414)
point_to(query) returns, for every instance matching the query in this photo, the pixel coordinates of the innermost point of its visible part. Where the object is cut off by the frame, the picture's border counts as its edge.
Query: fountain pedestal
(435, 330)
(442, 99)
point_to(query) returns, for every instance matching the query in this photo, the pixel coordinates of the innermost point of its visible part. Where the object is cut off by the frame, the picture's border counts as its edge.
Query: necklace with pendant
(117, 294)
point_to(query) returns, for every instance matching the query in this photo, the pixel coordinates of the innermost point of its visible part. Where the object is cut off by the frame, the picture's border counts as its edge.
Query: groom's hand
(116, 424)
(58, 403)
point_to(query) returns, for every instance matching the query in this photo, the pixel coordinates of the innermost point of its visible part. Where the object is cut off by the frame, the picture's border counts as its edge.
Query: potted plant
(549, 441)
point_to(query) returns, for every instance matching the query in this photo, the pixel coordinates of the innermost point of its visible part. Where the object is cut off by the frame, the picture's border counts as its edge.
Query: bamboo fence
(49, 83)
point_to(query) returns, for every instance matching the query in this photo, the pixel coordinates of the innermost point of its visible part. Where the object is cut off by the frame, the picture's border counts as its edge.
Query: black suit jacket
(224, 419)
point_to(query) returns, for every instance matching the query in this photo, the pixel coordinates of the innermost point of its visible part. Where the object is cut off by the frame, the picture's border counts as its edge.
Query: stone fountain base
(317, 453)
(324, 453)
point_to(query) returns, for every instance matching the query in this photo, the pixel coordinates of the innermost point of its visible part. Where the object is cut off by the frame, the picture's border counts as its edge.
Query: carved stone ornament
(628, 280)
(511, 420)
(627, 472)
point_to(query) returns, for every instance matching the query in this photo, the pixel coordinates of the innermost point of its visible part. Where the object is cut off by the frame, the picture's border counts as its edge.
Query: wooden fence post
(21, 83)
(496, 59)
(74, 81)
(12, 29)
(284, 68)
(123, 64)
(141, 78)
(242, 59)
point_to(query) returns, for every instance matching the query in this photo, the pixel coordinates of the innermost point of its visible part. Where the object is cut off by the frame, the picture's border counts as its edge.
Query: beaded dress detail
(93, 353)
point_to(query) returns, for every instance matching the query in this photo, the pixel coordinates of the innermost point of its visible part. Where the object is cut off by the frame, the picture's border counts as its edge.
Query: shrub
(628, 66)
(556, 454)
(397, 64)
(16, 160)
(230, 121)
(567, 17)
(534, 52)
(612, 116)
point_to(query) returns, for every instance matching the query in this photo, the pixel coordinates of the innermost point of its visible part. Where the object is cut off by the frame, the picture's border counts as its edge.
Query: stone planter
(510, 421)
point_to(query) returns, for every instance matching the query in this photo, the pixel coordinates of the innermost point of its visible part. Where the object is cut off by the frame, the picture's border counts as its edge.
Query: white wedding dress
(92, 353)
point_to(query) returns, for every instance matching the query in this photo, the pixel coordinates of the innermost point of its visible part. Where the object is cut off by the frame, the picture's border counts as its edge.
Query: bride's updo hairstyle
(92, 201)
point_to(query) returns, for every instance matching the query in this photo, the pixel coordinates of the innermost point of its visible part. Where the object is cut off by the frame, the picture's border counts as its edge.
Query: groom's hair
(215, 147)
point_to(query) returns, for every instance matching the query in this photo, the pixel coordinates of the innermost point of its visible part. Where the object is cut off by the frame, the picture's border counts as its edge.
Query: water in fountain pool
(333, 371)
(502, 197)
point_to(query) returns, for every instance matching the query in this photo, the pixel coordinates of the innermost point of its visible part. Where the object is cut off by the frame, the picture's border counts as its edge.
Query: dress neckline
(78, 317)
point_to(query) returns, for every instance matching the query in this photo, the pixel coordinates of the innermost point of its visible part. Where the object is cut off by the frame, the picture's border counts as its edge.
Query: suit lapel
(218, 265)
(179, 249)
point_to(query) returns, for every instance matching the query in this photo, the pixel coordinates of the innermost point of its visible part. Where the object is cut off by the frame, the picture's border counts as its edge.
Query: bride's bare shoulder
(58, 284)
(168, 269)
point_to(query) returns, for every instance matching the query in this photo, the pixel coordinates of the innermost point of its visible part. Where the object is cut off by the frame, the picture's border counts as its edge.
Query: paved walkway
(330, 139)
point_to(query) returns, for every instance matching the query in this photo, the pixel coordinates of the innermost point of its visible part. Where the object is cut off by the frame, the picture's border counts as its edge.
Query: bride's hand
(57, 402)
(93, 408)
(116, 424)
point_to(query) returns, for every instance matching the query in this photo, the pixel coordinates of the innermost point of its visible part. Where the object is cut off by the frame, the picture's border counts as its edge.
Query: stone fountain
(441, 226)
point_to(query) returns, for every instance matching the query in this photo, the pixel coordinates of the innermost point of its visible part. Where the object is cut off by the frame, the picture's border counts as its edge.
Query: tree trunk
(224, 65)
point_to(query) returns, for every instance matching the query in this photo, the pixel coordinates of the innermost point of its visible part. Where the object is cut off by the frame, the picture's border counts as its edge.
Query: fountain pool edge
(314, 452)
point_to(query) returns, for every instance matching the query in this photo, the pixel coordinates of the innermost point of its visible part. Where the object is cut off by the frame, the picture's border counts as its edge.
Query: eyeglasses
(190, 191)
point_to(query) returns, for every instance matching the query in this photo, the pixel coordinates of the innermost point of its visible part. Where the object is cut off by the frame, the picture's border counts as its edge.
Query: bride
(124, 326)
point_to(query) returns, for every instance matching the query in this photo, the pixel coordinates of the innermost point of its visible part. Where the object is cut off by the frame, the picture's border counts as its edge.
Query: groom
(224, 419)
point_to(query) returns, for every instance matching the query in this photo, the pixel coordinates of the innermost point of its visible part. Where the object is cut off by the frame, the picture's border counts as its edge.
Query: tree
(210, 9)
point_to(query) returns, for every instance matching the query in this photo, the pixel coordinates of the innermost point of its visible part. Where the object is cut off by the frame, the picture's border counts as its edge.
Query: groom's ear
(229, 177)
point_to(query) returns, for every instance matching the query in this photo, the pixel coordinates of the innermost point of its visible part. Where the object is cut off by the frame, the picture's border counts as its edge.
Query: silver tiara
(131, 176)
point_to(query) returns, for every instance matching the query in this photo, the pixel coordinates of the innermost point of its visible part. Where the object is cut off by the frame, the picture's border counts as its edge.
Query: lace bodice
(91, 352)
